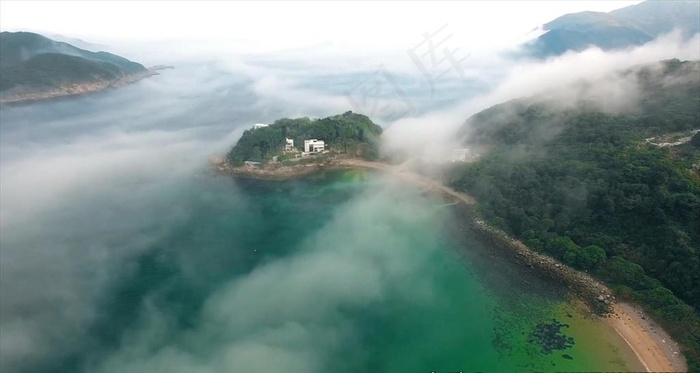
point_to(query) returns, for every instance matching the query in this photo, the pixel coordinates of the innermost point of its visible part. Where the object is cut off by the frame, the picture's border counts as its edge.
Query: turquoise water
(344, 271)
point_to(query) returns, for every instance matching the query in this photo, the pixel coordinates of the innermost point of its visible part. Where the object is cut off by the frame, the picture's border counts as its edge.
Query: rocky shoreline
(279, 171)
(594, 296)
(598, 297)
(72, 90)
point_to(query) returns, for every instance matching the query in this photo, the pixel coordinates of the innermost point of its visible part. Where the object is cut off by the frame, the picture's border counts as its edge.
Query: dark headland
(36, 68)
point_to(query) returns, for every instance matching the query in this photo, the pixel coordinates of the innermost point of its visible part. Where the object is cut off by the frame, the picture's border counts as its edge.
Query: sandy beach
(652, 346)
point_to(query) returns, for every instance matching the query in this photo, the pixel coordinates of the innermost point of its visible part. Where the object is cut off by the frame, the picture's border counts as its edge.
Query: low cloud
(89, 184)
(564, 81)
(293, 312)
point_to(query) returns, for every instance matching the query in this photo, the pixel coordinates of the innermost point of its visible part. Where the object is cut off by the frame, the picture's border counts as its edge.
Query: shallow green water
(344, 271)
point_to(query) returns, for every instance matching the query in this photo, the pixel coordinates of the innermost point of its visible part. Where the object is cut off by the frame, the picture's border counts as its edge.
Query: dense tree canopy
(34, 62)
(585, 187)
(347, 133)
(695, 140)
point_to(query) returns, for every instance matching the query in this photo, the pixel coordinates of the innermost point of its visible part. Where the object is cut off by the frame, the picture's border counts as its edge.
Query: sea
(120, 251)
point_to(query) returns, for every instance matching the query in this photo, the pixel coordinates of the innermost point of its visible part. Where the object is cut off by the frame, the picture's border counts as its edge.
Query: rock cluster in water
(550, 338)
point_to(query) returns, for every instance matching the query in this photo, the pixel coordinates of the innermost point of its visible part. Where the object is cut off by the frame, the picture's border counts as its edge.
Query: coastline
(74, 91)
(649, 343)
(283, 172)
(652, 346)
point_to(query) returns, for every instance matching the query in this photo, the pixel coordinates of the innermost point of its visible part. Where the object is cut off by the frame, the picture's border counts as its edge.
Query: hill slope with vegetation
(585, 186)
(34, 67)
(348, 133)
(627, 27)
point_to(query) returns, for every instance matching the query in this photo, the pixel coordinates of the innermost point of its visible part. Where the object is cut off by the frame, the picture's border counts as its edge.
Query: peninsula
(35, 68)
(297, 147)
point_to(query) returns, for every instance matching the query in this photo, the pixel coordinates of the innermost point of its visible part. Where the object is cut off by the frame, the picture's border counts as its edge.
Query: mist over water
(121, 252)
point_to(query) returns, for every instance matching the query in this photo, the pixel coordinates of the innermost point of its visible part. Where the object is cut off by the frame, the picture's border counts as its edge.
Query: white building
(461, 155)
(314, 146)
(288, 145)
(259, 125)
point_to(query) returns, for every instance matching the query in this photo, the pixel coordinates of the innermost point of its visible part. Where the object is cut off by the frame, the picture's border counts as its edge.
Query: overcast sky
(284, 25)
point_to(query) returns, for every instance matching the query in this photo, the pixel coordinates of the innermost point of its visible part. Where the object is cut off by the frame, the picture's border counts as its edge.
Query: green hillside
(349, 133)
(587, 188)
(52, 70)
(627, 27)
(18, 47)
(31, 63)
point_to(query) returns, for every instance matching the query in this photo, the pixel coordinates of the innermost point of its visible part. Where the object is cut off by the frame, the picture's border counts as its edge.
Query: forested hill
(585, 186)
(349, 133)
(34, 67)
(622, 28)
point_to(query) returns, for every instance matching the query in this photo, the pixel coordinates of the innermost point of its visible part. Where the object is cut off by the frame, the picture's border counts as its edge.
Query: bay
(342, 271)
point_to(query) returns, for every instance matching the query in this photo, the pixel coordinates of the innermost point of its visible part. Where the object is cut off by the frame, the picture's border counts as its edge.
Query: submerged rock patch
(550, 338)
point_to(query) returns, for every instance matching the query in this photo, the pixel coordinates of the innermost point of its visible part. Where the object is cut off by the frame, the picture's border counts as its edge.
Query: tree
(346, 131)
(592, 256)
(562, 179)
(695, 140)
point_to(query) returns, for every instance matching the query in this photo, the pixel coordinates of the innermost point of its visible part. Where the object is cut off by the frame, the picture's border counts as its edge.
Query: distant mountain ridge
(34, 67)
(630, 26)
(79, 43)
